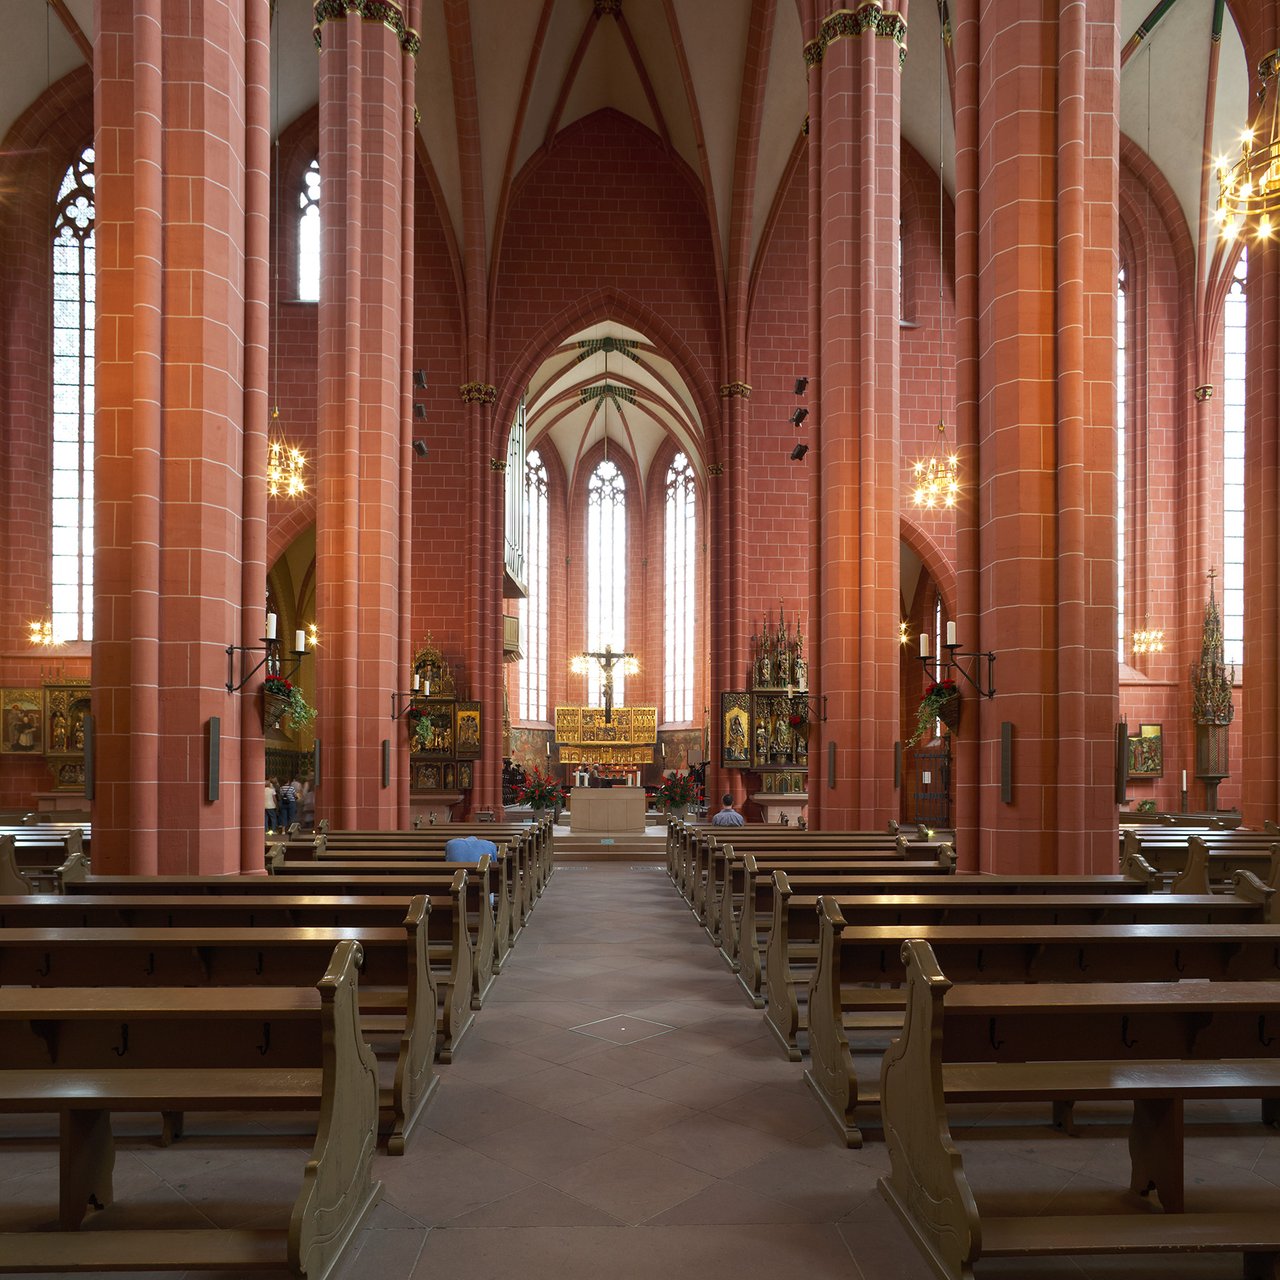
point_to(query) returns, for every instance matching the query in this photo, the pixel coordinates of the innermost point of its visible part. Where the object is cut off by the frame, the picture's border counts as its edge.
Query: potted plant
(541, 791)
(282, 700)
(677, 793)
(941, 701)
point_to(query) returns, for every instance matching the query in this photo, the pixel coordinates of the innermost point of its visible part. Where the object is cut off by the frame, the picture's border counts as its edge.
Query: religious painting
(65, 709)
(435, 733)
(1146, 752)
(21, 722)
(735, 731)
(467, 731)
(448, 777)
(465, 776)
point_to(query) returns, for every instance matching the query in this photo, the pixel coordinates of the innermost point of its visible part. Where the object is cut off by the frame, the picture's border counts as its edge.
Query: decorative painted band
(855, 22)
(387, 12)
(478, 393)
(742, 389)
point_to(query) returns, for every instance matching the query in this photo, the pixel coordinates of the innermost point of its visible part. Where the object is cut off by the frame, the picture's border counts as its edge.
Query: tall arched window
(533, 608)
(309, 235)
(606, 574)
(678, 619)
(72, 454)
(1122, 379)
(1233, 362)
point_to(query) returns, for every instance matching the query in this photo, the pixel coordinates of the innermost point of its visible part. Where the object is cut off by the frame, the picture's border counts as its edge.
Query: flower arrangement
(935, 705)
(540, 791)
(796, 720)
(678, 791)
(300, 712)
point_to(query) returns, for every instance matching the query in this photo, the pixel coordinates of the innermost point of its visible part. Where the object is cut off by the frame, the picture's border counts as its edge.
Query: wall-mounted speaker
(90, 756)
(315, 763)
(215, 757)
(1006, 762)
(386, 763)
(831, 766)
(897, 766)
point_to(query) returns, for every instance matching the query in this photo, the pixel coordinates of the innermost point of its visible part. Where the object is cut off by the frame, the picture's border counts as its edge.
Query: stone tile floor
(619, 1111)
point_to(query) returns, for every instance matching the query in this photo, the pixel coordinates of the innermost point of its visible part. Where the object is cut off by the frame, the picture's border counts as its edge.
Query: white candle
(416, 681)
(548, 748)
(951, 633)
(299, 642)
(924, 645)
(1184, 779)
(271, 626)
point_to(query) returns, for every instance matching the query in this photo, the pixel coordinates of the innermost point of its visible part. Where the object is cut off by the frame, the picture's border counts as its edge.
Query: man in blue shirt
(728, 816)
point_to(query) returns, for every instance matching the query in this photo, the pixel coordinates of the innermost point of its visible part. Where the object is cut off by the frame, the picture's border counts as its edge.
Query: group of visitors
(288, 803)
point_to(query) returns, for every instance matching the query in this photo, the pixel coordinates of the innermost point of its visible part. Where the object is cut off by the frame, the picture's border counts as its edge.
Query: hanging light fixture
(1148, 640)
(1249, 189)
(286, 465)
(41, 633)
(935, 480)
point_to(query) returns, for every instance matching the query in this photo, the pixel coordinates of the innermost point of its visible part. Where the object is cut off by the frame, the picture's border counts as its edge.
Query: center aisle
(619, 1111)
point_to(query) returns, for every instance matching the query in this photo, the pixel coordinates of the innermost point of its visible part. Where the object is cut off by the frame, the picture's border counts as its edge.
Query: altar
(609, 809)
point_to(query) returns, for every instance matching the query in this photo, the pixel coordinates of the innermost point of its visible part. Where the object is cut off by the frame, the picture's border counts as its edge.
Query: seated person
(727, 816)
(468, 849)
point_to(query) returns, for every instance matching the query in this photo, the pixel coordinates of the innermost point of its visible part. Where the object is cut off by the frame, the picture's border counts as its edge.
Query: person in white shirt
(728, 816)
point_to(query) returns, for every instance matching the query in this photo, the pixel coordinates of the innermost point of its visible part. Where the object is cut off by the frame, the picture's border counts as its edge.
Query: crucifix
(608, 660)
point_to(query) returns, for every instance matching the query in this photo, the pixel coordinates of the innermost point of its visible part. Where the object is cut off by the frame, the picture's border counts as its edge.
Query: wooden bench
(37, 860)
(511, 880)
(483, 887)
(539, 835)
(519, 851)
(399, 990)
(792, 946)
(746, 906)
(1194, 862)
(86, 1053)
(1157, 1045)
(859, 971)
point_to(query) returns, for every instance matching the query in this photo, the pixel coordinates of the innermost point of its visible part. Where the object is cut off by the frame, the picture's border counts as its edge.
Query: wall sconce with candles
(41, 633)
(272, 656)
(944, 666)
(403, 703)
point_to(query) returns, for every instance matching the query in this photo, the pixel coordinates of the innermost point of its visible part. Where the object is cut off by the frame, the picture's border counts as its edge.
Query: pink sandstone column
(854, 61)
(1047, 142)
(361, 430)
(172, 138)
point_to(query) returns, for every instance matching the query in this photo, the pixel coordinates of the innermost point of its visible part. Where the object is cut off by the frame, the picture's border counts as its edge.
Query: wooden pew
(511, 882)
(37, 851)
(198, 1049)
(1193, 862)
(854, 964)
(399, 992)
(539, 834)
(746, 905)
(1158, 1045)
(478, 916)
(508, 886)
(793, 940)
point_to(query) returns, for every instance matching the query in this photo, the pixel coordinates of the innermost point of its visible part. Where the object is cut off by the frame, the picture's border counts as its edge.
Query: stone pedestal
(425, 804)
(794, 804)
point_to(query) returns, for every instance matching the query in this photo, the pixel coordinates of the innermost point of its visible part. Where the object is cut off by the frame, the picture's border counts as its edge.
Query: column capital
(389, 13)
(870, 16)
(478, 393)
(1204, 393)
(715, 468)
(730, 389)
(498, 464)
